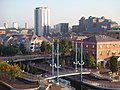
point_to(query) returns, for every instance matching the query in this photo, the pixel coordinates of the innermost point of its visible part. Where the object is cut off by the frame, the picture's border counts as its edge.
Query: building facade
(15, 25)
(101, 47)
(6, 25)
(42, 21)
(95, 24)
(62, 27)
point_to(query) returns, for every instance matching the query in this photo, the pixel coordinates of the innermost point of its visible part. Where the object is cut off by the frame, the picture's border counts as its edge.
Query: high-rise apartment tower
(42, 21)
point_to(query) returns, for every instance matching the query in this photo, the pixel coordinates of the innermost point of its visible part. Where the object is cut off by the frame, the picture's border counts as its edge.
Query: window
(107, 46)
(108, 52)
(100, 46)
(118, 51)
(117, 37)
(93, 46)
(87, 52)
(100, 53)
(32, 43)
(86, 46)
(31, 47)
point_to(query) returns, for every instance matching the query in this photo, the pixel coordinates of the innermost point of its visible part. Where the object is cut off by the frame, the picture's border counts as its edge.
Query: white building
(33, 44)
(6, 25)
(42, 21)
(15, 25)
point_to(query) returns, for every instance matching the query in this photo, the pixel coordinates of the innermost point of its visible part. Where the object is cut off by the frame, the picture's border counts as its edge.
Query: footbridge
(68, 73)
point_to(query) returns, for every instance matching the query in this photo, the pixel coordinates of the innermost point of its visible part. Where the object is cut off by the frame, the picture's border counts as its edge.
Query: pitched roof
(100, 38)
(39, 38)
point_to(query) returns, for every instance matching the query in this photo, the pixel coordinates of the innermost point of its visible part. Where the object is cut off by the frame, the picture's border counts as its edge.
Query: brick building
(101, 47)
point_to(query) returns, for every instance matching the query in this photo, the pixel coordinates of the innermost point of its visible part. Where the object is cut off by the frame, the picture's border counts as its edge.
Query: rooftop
(100, 38)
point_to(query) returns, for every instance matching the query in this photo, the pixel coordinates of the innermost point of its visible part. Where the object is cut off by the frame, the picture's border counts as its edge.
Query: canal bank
(93, 84)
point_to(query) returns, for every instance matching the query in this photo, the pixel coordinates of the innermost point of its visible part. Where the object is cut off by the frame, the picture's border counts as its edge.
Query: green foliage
(34, 70)
(49, 48)
(9, 51)
(31, 69)
(22, 48)
(23, 66)
(98, 65)
(43, 47)
(113, 64)
(91, 62)
(64, 45)
(27, 68)
(1, 49)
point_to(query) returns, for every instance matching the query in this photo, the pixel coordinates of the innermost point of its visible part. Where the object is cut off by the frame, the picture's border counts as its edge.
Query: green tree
(22, 48)
(91, 62)
(9, 51)
(43, 46)
(70, 45)
(114, 64)
(1, 50)
(23, 66)
(31, 69)
(49, 48)
(27, 69)
(64, 45)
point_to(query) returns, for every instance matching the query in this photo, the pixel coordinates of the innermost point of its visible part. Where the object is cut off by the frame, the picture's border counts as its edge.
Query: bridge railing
(102, 85)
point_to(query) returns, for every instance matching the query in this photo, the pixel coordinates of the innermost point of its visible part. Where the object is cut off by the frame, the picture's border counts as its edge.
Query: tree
(8, 70)
(1, 49)
(43, 46)
(91, 62)
(31, 69)
(4, 67)
(64, 45)
(114, 64)
(27, 69)
(22, 48)
(23, 66)
(9, 51)
(49, 48)
(15, 71)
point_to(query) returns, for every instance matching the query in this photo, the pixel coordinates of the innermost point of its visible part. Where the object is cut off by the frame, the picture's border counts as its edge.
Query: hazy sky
(71, 11)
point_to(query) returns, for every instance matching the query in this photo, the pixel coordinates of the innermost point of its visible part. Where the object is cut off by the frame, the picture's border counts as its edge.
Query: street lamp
(57, 65)
(81, 63)
(76, 62)
(52, 65)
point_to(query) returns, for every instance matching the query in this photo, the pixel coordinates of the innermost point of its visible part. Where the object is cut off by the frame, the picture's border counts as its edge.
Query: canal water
(75, 82)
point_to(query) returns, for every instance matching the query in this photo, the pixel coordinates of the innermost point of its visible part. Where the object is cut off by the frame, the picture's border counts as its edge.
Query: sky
(68, 11)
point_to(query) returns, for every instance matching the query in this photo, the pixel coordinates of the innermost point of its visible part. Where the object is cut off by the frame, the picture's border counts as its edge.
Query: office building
(62, 27)
(15, 25)
(26, 26)
(42, 21)
(6, 25)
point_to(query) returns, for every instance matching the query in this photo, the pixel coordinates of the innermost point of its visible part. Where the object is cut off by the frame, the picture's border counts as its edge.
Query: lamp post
(57, 65)
(76, 62)
(81, 63)
(52, 65)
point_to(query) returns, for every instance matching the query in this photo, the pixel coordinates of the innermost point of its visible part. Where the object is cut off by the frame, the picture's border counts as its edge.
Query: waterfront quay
(69, 73)
(93, 83)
